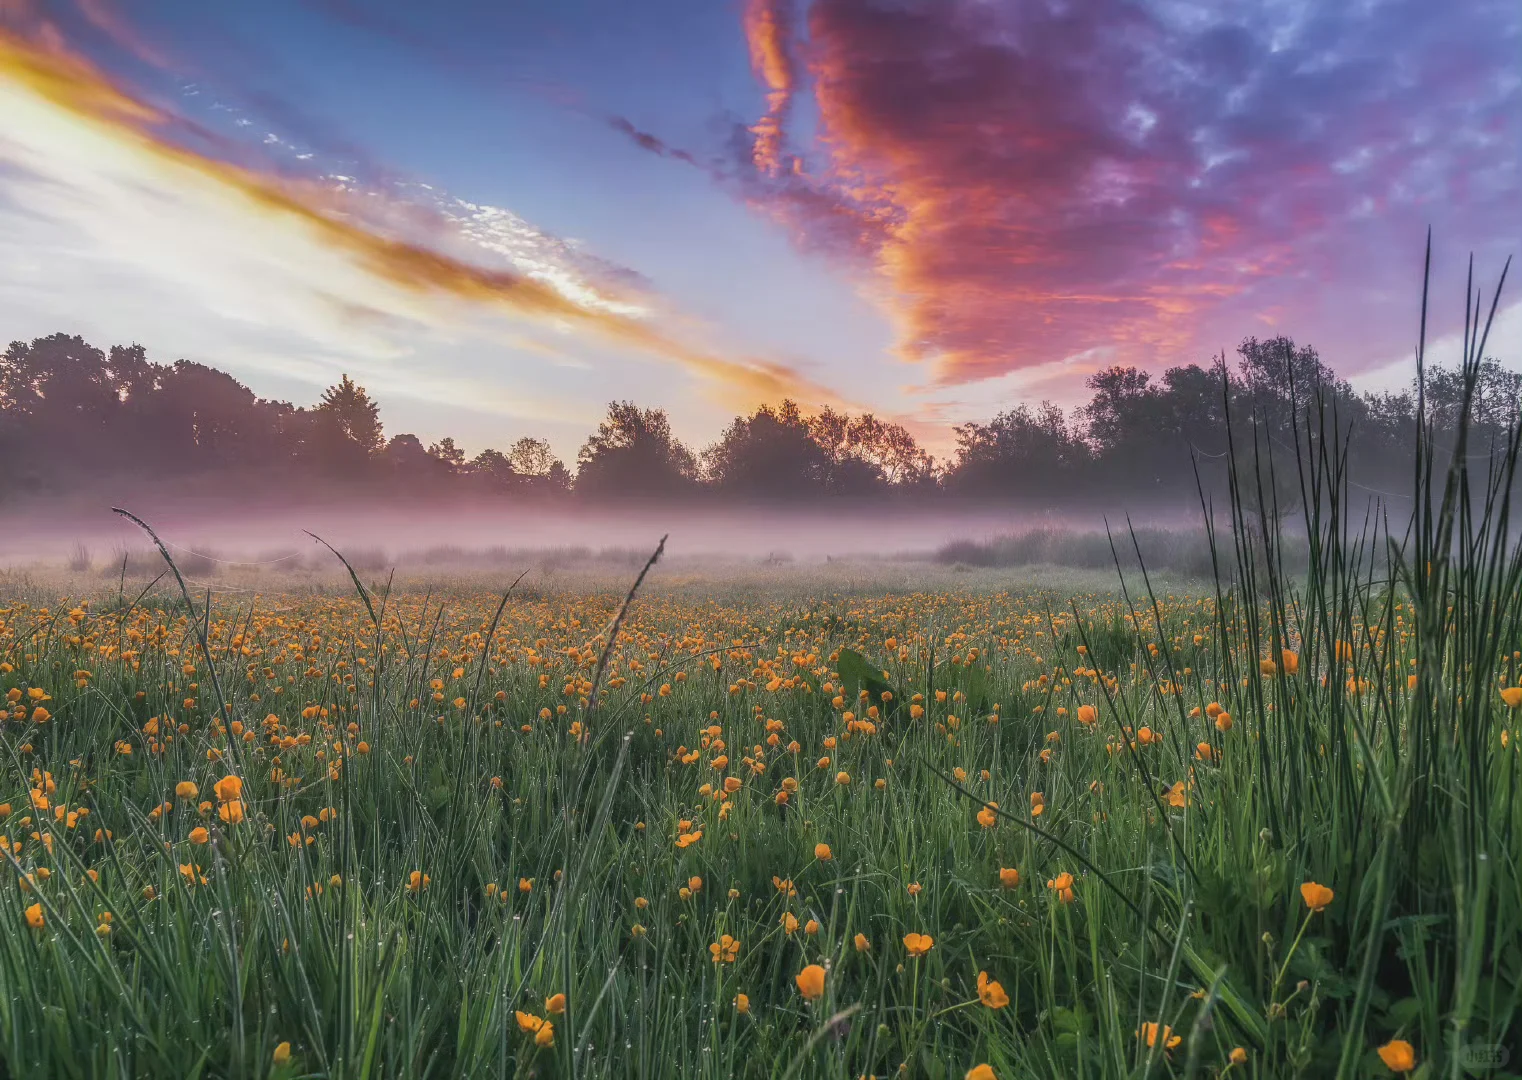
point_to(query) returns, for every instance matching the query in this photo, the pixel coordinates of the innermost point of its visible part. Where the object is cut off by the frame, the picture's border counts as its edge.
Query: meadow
(1261, 823)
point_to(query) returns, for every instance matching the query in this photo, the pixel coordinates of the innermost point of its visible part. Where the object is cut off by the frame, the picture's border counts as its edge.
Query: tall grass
(1368, 750)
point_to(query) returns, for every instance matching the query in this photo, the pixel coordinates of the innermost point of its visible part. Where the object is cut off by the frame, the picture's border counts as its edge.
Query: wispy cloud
(358, 250)
(769, 32)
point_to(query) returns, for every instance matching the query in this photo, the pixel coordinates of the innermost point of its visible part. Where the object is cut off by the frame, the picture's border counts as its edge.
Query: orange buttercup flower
(1316, 896)
(1009, 877)
(918, 944)
(1062, 885)
(1152, 1034)
(229, 789)
(725, 950)
(990, 993)
(1398, 1055)
(811, 982)
(34, 917)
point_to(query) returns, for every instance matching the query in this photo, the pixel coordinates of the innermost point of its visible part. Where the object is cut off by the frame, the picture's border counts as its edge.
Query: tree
(58, 379)
(770, 454)
(408, 458)
(353, 415)
(891, 451)
(633, 452)
(493, 469)
(447, 454)
(534, 461)
(532, 457)
(1020, 452)
(197, 414)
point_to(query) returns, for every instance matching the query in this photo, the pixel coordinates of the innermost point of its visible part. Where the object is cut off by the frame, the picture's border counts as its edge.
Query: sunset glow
(928, 210)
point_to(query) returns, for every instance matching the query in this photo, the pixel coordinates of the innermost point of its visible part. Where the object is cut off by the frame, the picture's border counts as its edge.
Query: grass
(456, 804)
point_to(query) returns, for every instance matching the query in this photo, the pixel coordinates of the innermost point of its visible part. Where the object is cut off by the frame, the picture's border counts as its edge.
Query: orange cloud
(1029, 182)
(46, 70)
(769, 34)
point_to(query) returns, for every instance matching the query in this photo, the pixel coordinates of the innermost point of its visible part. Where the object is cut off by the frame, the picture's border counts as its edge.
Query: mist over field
(462, 531)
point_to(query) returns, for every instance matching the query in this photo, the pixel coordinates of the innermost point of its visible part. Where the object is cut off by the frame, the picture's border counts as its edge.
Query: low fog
(63, 532)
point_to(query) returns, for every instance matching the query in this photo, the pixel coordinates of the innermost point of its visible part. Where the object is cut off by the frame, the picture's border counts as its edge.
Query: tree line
(70, 412)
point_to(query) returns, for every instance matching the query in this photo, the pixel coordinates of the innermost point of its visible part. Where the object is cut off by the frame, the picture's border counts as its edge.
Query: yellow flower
(1316, 897)
(1150, 1033)
(861, 943)
(1062, 885)
(811, 982)
(990, 993)
(1512, 695)
(742, 1004)
(918, 944)
(555, 1003)
(282, 1053)
(822, 852)
(725, 950)
(1009, 877)
(186, 789)
(980, 1072)
(229, 789)
(1398, 1055)
(34, 917)
(199, 835)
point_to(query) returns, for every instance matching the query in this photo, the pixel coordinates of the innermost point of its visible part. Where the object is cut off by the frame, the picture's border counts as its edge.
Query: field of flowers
(961, 833)
(1265, 826)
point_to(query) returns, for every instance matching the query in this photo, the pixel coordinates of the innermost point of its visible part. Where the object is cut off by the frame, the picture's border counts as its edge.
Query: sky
(498, 216)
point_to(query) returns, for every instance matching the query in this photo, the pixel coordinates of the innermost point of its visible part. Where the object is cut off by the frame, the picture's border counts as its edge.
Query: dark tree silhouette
(769, 454)
(347, 411)
(71, 414)
(634, 453)
(539, 468)
(1022, 452)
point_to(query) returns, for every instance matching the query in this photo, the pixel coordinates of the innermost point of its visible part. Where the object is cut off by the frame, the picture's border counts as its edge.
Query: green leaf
(857, 675)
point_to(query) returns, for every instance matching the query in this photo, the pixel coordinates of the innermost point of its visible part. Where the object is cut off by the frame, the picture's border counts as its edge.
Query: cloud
(646, 141)
(91, 141)
(1031, 181)
(769, 33)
